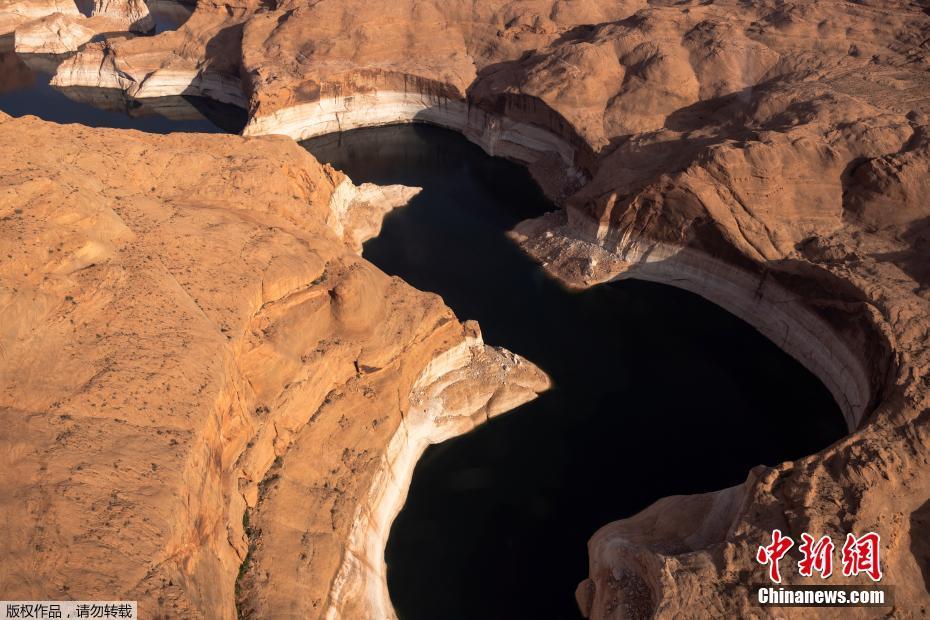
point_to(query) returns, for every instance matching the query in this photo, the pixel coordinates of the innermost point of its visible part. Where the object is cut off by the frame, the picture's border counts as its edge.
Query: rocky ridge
(180, 326)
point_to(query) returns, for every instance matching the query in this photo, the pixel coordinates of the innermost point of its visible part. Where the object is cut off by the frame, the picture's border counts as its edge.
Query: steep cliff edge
(775, 168)
(178, 322)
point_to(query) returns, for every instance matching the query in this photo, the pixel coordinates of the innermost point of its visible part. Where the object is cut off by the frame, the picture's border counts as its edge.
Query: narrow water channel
(25, 89)
(657, 392)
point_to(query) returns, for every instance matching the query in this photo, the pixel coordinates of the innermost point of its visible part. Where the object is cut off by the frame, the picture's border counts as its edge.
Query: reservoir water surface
(25, 89)
(656, 391)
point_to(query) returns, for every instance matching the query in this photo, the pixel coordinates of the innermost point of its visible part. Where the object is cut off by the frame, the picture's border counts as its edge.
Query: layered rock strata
(246, 57)
(849, 319)
(462, 387)
(792, 202)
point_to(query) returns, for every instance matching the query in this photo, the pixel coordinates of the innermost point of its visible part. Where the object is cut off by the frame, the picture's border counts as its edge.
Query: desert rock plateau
(208, 395)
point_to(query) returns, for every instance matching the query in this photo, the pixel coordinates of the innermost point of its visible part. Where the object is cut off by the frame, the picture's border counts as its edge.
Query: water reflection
(25, 89)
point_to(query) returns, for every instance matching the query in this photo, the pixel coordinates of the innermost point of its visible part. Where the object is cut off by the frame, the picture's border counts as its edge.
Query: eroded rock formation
(53, 34)
(62, 26)
(178, 319)
(14, 13)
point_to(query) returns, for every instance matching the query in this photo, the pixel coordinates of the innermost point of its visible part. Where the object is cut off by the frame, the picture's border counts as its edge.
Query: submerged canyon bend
(655, 391)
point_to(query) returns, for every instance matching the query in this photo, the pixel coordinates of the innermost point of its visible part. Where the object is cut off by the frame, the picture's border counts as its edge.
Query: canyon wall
(187, 338)
(771, 166)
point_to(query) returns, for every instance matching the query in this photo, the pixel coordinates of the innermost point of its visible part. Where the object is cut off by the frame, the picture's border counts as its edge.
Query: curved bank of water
(657, 391)
(25, 89)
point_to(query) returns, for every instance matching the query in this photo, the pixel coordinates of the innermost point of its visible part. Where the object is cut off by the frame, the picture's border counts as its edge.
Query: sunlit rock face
(59, 26)
(13, 13)
(182, 337)
(54, 34)
(735, 148)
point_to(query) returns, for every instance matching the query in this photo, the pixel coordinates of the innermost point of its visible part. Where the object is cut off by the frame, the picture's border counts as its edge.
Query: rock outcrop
(178, 321)
(54, 34)
(14, 13)
(769, 163)
(357, 210)
(63, 26)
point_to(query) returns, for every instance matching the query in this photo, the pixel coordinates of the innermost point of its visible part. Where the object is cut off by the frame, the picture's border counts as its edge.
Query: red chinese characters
(818, 556)
(861, 555)
(773, 553)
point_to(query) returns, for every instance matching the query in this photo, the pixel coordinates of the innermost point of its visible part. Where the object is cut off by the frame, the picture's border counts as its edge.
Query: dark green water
(657, 392)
